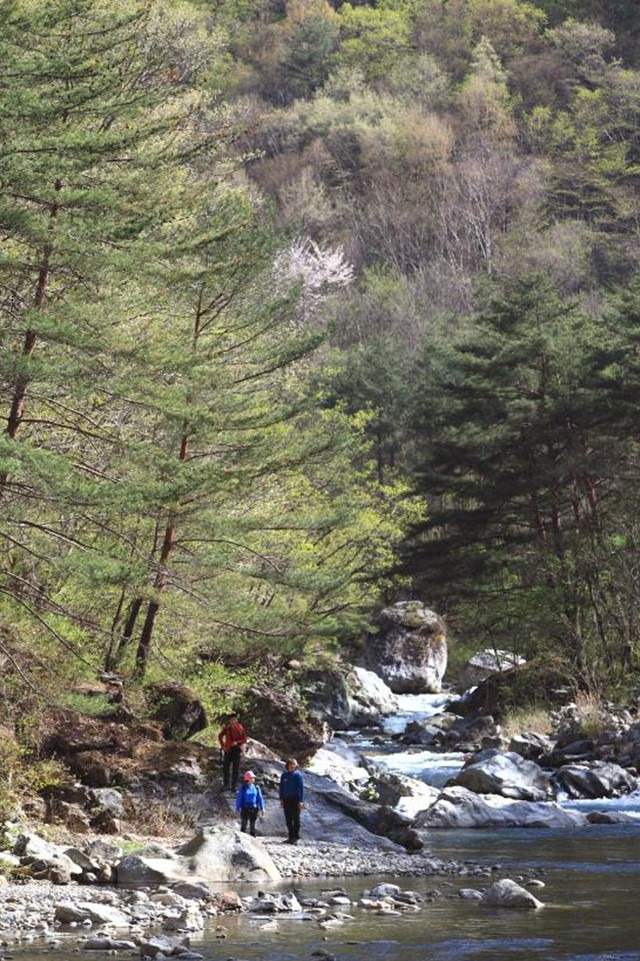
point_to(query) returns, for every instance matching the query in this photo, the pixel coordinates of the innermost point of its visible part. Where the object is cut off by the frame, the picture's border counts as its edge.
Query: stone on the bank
(135, 870)
(103, 851)
(507, 894)
(218, 854)
(66, 913)
(192, 892)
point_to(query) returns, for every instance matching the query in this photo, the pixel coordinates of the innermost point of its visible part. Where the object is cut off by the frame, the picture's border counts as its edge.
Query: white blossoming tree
(317, 270)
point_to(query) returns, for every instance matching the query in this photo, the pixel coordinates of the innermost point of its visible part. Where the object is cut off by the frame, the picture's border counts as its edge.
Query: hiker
(249, 803)
(232, 739)
(292, 798)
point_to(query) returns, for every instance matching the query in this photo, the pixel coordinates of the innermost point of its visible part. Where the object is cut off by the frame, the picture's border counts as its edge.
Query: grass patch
(534, 718)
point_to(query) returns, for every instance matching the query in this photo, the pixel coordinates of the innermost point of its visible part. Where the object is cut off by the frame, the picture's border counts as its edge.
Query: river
(591, 893)
(591, 878)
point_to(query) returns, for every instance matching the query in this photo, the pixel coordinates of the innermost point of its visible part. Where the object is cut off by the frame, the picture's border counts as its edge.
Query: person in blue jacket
(249, 803)
(292, 798)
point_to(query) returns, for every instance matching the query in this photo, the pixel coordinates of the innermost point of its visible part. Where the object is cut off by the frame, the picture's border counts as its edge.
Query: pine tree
(94, 135)
(88, 124)
(515, 471)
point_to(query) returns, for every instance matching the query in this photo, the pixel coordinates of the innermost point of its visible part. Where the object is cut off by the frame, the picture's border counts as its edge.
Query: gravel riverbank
(314, 859)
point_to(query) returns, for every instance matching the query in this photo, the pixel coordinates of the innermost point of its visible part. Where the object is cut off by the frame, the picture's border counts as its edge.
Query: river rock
(107, 944)
(218, 854)
(409, 648)
(383, 890)
(159, 945)
(330, 763)
(484, 663)
(448, 732)
(276, 903)
(507, 894)
(373, 697)
(330, 811)
(347, 697)
(391, 788)
(67, 913)
(595, 779)
(189, 919)
(459, 808)
(507, 774)
(531, 745)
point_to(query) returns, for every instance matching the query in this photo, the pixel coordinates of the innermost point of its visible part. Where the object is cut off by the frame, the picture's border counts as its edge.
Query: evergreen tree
(516, 473)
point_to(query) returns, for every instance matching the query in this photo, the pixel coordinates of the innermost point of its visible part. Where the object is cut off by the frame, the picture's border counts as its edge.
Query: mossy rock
(540, 682)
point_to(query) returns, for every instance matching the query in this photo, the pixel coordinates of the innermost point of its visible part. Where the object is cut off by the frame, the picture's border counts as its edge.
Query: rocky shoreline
(101, 917)
(158, 920)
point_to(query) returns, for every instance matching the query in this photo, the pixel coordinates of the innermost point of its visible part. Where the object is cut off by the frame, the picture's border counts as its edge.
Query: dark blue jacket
(249, 796)
(291, 786)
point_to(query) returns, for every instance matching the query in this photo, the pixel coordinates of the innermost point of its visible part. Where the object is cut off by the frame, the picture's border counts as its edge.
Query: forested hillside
(310, 305)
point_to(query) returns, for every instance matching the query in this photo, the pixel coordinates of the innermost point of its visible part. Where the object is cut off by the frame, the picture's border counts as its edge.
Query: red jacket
(232, 735)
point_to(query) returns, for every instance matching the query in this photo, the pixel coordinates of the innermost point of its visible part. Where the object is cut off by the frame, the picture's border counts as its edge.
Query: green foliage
(372, 38)
(92, 705)
(22, 776)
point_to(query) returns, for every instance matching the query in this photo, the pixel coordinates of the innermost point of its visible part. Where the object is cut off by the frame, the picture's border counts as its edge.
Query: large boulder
(280, 720)
(177, 707)
(217, 854)
(484, 663)
(330, 811)
(372, 696)
(507, 774)
(595, 779)
(351, 697)
(344, 766)
(408, 649)
(459, 808)
(214, 854)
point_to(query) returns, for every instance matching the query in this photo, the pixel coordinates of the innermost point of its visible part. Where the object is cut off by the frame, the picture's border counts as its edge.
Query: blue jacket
(291, 786)
(249, 796)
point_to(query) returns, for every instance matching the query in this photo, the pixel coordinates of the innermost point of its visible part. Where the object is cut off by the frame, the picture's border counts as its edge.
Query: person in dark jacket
(232, 739)
(292, 798)
(249, 803)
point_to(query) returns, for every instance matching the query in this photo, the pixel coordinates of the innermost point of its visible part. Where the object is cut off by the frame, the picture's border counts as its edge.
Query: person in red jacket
(232, 739)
